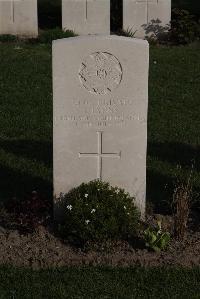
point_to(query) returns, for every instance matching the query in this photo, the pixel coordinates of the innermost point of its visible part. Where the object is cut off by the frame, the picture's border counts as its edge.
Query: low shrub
(45, 36)
(185, 28)
(191, 5)
(48, 36)
(96, 211)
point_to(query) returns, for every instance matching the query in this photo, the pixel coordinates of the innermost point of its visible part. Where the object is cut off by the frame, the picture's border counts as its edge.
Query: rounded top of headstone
(101, 37)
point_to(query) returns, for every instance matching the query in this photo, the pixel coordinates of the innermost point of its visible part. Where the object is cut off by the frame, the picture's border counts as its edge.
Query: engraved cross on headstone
(12, 11)
(100, 155)
(86, 9)
(147, 6)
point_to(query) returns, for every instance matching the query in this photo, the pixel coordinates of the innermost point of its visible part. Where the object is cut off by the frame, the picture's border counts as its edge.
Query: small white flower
(128, 213)
(86, 195)
(87, 221)
(69, 207)
(124, 207)
(93, 211)
(117, 191)
(155, 62)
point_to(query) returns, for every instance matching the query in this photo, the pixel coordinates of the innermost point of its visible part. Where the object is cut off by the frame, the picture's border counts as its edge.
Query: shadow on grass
(160, 187)
(159, 192)
(36, 150)
(16, 184)
(185, 155)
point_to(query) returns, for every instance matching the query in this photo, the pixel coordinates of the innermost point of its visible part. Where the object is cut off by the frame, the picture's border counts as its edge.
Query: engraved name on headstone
(100, 88)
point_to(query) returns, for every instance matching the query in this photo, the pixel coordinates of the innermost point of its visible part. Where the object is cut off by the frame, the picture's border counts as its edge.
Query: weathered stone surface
(100, 113)
(86, 16)
(19, 17)
(144, 17)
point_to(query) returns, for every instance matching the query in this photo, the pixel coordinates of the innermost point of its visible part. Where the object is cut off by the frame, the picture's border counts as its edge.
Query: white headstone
(19, 17)
(139, 14)
(100, 88)
(86, 16)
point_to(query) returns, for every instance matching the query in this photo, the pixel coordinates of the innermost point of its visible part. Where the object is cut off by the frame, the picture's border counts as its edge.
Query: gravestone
(19, 17)
(100, 88)
(144, 17)
(86, 16)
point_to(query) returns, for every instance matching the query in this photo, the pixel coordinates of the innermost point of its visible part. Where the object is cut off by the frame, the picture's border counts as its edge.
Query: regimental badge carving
(100, 73)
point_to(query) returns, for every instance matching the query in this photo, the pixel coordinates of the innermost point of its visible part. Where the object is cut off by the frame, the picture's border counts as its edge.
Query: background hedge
(192, 5)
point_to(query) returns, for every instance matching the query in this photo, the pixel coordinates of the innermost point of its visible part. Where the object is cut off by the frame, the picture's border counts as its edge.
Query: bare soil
(42, 249)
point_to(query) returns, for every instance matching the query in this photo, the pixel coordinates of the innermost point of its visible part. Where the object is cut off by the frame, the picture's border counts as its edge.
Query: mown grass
(88, 282)
(26, 165)
(173, 123)
(26, 120)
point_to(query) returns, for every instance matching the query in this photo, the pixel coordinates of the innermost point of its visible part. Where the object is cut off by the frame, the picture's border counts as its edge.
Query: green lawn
(104, 283)
(174, 122)
(26, 120)
(26, 165)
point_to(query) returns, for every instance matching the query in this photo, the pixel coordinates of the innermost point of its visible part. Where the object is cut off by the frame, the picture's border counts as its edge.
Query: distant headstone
(19, 17)
(100, 113)
(86, 16)
(145, 17)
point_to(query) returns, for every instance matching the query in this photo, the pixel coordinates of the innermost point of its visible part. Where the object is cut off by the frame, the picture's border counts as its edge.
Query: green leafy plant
(128, 32)
(155, 238)
(96, 211)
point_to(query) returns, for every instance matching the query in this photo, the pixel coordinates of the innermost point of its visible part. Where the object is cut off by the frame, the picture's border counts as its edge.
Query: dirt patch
(42, 249)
